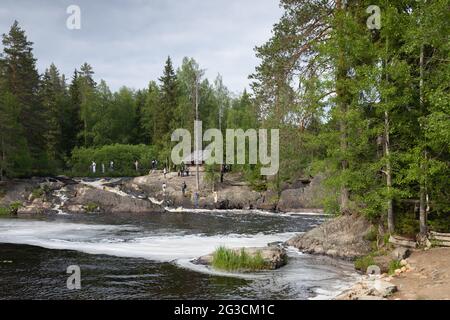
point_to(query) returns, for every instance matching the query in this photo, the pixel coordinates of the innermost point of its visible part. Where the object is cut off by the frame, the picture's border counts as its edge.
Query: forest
(368, 109)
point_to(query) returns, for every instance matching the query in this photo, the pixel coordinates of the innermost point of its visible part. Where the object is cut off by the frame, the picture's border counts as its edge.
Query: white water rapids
(124, 240)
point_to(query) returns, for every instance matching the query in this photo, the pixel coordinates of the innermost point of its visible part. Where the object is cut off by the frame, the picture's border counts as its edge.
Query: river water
(126, 256)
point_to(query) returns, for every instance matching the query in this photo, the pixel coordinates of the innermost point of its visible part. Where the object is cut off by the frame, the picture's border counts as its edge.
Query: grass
(232, 260)
(394, 265)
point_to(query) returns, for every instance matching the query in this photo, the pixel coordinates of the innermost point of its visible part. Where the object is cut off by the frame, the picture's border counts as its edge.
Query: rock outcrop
(301, 195)
(41, 195)
(85, 198)
(342, 237)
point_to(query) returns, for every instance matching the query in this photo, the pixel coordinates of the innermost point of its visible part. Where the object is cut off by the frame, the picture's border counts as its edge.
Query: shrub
(232, 260)
(394, 265)
(4, 211)
(406, 224)
(37, 193)
(11, 209)
(363, 263)
(123, 157)
(371, 235)
(439, 223)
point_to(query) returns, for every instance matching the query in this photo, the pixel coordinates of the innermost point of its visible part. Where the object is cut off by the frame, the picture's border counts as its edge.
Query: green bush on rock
(11, 209)
(231, 260)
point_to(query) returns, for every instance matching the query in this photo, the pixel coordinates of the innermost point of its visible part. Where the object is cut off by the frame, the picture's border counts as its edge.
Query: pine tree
(72, 124)
(14, 156)
(168, 103)
(86, 86)
(21, 79)
(53, 96)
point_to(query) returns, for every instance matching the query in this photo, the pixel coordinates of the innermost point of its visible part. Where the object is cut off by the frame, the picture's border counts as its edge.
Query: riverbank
(146, 194)
(429, 278)
(425, 276)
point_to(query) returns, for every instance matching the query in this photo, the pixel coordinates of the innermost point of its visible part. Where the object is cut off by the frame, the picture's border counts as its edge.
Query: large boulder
(302, 195)
(238, 197)
(400, 253)
(343, 237)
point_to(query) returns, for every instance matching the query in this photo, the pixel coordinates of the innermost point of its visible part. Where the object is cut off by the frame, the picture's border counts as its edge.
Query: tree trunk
(390, 207)
(342, 105)
(423, 190)
(387, 151)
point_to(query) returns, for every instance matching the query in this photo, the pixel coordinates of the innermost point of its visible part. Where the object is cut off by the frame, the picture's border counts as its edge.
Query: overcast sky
(127, 42)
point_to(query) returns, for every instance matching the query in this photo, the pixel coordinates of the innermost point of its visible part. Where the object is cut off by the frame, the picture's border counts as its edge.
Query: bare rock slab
(342, 237)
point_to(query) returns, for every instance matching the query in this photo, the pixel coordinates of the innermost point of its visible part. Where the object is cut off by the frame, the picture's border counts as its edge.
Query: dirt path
(429, 279)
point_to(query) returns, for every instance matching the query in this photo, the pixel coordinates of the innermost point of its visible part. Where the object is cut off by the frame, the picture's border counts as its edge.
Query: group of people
(183, 170)
(94, 167)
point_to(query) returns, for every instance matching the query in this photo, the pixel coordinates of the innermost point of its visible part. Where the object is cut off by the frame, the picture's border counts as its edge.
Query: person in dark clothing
(183, 188)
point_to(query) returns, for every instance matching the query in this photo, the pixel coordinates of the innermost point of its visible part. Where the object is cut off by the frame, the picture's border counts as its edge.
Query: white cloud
(128, 42)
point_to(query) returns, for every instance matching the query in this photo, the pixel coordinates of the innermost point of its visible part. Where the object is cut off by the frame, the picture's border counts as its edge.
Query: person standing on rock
(136, 165)
(93, 167)
(165, 172)
(183, 188)
(111, 165)
(164, 188)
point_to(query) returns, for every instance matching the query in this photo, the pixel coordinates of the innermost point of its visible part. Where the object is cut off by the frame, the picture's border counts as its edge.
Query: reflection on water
(148, 257)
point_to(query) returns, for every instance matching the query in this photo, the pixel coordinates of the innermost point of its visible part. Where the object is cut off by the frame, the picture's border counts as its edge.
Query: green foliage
(4, 211)
(212, 174)
(363, 263)
(371, 235)
(11, 209)
(91, 207)
(123, 156)
(37, 193)
(394, 265)
(230, 260)
(252, 175)
(440, 222)
(406, 224)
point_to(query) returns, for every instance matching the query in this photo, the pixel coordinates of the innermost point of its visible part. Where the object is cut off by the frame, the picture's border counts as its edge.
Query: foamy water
(118, 241)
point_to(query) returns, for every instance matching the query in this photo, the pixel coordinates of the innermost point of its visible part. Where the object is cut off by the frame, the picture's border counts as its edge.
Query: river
(126, 256)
